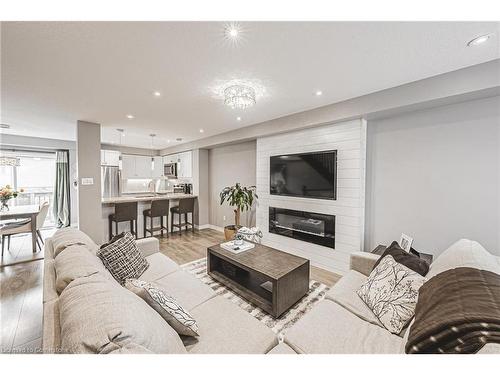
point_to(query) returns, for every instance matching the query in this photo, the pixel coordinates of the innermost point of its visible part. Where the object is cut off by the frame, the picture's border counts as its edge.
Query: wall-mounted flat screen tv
(308, 175)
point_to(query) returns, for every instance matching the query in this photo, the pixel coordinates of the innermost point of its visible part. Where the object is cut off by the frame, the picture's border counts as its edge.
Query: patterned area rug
(316, 293)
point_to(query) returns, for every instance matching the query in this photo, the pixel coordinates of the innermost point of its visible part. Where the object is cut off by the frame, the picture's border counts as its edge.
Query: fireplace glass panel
(305, 226)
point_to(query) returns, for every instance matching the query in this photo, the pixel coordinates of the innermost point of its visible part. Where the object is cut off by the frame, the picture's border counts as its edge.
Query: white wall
(228, 165)
(434, 174)
(349, 139)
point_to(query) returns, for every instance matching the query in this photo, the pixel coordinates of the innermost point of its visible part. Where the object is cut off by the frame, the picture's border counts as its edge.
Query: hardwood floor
(21, 286)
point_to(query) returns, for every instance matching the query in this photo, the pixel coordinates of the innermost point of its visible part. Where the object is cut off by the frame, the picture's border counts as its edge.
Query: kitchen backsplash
(141, 185)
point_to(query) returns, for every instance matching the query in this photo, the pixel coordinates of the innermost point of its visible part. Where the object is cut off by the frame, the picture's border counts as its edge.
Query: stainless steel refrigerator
(110, 181)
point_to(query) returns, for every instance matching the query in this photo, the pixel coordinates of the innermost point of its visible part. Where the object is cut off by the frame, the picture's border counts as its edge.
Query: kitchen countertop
(145, 197)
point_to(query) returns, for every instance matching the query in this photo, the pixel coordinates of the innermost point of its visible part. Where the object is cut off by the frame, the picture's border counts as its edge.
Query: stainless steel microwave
(170, 170)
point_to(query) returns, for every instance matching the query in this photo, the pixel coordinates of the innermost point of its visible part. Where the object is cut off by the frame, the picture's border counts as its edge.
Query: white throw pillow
(165, 305)
(391, 292)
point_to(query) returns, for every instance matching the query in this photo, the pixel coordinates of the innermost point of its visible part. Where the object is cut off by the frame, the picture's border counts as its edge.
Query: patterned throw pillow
(168, 308)
(123, 259)
(391, 292)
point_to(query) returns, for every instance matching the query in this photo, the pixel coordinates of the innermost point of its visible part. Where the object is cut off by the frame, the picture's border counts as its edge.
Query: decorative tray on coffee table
(236, 249)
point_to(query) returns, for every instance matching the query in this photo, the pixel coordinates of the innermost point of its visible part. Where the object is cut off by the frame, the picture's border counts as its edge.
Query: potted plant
(241, 198)
(7, 193)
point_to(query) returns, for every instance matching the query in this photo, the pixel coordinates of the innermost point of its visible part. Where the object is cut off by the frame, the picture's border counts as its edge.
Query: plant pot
(230, 231)
(5, 206)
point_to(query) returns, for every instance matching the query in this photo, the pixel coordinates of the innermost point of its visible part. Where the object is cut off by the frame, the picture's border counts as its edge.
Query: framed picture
(405, 242)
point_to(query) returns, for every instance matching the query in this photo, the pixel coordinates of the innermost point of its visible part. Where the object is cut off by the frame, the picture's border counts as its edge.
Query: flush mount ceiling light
(238, 118)
(319, 93)
(178, 139)
(239, 96)
(130, 117)
(201, 130)
(156, 93)
(479, 40)
(8, 161)
(4, 126)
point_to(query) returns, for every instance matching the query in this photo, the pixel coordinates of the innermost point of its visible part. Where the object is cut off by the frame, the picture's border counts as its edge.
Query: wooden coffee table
(269, 278)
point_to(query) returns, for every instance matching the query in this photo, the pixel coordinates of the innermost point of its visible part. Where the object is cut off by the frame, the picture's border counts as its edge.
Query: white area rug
(316, 293)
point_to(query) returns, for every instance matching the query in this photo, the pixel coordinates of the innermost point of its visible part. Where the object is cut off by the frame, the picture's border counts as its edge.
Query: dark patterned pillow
(165, 305)
(407, 259)
(123, 259)
(391, 292)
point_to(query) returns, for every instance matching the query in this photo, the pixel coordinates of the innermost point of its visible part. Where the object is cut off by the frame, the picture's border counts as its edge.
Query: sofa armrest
(363, 262)
(148, 246)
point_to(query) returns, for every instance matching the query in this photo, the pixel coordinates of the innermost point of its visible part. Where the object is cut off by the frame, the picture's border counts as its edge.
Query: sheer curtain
(61, 207)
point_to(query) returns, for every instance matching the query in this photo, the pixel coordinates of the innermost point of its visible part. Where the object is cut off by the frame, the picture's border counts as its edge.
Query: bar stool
(159, 209)
(124, 212)
(185, 206)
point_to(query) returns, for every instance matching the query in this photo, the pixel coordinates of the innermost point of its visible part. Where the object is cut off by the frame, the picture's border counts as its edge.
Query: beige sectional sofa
(343, 324)
(87, 311)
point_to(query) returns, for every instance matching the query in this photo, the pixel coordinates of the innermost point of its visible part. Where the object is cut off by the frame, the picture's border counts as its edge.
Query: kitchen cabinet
(136, 166)
(143, 166)
(158, 167)
(184, 161)
(110, 158)
(184, 166)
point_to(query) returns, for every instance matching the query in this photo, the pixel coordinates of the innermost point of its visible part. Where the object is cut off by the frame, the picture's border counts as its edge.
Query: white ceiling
(55, 73)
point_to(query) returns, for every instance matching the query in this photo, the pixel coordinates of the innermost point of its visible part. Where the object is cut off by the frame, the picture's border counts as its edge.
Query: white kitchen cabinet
(185, 165)
(184, 161)
(128, 166)
(143, 166)
(110, 158)
(158, 167)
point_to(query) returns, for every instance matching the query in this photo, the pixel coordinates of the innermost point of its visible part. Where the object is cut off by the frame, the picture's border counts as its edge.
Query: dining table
(23, 212)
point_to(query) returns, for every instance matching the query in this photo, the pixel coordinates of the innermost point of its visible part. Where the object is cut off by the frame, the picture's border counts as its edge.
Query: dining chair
(24, 226)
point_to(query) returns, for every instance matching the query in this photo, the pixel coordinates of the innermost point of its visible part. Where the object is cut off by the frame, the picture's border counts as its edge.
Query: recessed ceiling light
(130, 116)
(157, 93)
(4, 126)
(319, 93)
(178, 139)
(201, 130)
(479, 40)
(232, 31)
(238, 118)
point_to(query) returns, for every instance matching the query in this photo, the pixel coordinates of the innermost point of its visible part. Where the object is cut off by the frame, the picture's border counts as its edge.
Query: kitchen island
(143, 203)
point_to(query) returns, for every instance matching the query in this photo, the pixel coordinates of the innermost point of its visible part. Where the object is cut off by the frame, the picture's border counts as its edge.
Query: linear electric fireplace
(305, 226)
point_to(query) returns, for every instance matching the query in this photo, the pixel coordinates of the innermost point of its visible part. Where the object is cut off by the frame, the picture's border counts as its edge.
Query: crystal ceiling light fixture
(239, 96)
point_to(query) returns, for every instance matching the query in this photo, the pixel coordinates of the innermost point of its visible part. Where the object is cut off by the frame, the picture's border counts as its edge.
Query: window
(36, 175)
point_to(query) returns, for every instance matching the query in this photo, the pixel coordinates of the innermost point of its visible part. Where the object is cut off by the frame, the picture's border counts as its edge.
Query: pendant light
(120, 135)
(152, 156)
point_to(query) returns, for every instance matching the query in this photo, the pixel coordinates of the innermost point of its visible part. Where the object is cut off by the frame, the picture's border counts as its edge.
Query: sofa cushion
(66, 237)
(165, 305)
(344, 293)
(123, 259)
(464, 253)
(391, 292)
(49, 280)
(331, 329)
(98, 315)
(159, 266)
(226, 328)
(76, 261)
(407, 259)
(185, 288)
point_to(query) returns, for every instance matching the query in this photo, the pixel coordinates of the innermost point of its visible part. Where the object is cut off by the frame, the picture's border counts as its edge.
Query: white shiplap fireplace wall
(349, 138)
